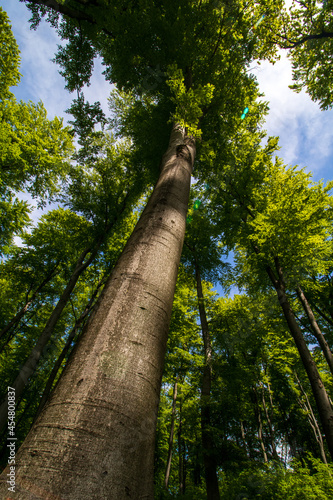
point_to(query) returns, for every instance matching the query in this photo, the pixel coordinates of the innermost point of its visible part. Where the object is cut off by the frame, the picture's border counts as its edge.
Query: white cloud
(100, 89)
(306, 132)
(41, 79)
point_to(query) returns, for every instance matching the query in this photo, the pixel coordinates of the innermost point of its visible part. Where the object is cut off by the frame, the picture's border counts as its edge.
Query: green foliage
(33, 149)
(189, 102)
(202, 247)
(14, 216)
(309, 481)
(292, 220)
(143, 121)
(9, 57)
(86, 117)
(76, 58)
(308, 33)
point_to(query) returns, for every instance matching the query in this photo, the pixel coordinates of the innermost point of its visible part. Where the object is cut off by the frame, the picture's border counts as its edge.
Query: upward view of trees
(132, 377)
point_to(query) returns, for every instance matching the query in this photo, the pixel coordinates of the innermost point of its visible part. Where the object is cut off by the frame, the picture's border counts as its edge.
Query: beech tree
(131, 343)
(181, 71)
(202, 255)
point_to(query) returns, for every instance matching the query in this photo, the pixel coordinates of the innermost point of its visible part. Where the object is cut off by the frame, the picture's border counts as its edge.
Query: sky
(306, 132)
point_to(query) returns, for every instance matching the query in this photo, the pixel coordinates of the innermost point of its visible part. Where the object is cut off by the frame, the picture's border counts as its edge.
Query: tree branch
(77, 14)
(323, 34)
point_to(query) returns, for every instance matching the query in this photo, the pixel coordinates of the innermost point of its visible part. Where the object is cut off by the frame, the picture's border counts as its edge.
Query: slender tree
(315, 328)
(306, 405)
(207, 440)
(173, 416)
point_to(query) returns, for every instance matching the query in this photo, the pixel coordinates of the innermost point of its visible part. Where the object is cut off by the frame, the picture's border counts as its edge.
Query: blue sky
(306, 132)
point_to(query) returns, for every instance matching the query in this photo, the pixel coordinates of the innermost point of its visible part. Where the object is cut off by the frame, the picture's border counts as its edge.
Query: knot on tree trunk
(183, 151)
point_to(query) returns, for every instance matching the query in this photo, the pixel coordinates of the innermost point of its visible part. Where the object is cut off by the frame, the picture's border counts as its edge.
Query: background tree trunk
(319, 392)
(95, 437)
(212, 485)
(260, 434)
(25, 307)
(269, 422)
(66, 348)
(312, 420)
(315, 328)
(173, 415)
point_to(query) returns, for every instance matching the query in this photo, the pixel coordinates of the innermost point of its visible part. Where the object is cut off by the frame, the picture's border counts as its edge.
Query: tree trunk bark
(173, 415)
(95, 437)
(315, 328)
(321, 397)
(212, 485)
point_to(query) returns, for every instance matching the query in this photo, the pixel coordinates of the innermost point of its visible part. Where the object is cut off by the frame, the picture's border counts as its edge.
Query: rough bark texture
(315, 328)
(212, 485)
(319, 392)
(173, 416)
(95, 437)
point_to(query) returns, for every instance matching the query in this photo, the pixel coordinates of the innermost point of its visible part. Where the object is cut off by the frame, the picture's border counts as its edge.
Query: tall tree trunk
(27, 304)
(181, 477)
(315, 328)
(212, 485)
(260, 435)
(173, 415)
(321, 397)
(269, 422)
(95, 437)
(312, 420)
(322, 314)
